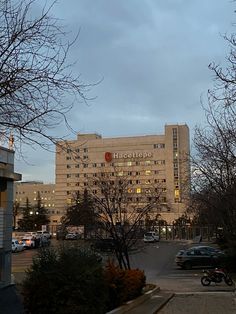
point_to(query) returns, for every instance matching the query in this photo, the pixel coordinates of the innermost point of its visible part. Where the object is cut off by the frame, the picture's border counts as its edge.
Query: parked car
(28, 242)
(44, 233)
(151, 236)
(104, 245)
(200, 256)
(72, 236)
(16, 246)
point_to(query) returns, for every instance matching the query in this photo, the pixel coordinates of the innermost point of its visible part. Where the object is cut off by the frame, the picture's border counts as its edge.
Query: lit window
(129, 163)
(147, 172)
(138, 190)
(129, 190)
(120, 174)
(176, 193)
(147, 162)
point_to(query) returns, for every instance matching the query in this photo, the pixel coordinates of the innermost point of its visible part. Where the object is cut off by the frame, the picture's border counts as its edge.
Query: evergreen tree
(40, 214)
(33, 216)
(27, 221)
(81, 213)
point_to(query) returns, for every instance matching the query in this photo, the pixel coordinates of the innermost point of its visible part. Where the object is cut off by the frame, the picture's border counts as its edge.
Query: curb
(133, 303)
(164, 302)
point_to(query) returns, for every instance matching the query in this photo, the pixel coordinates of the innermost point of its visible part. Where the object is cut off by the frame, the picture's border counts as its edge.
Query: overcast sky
(152, 57)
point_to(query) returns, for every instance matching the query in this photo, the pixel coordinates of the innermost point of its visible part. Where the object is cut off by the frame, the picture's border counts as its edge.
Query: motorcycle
(217, 275)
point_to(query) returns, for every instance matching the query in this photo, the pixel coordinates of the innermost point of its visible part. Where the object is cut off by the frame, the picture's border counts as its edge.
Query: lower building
(7, 177)
(31, 192)
(146, 160)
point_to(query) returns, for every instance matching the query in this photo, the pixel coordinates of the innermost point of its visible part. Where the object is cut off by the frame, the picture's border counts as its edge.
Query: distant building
(33, 191)
(7, 177)
(150, 158)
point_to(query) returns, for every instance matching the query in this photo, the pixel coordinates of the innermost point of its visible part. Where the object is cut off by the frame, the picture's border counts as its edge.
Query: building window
(130, 173)
(77, 175)
(160, 145)
(68, 166)
(68, 175)
(129, 163)
(68, 158)
(138, 190)
(147, 172)
(120, 174)
(94, 165)
(85, 165)
(85, 150)
(102, 164)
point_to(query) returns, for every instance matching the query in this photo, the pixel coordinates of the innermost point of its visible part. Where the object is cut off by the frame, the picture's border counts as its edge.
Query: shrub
(123, 285)
(66, 280)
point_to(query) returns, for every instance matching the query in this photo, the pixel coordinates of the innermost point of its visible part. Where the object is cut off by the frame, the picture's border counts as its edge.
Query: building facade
(148, 160)
(33, 191)
(7, 177)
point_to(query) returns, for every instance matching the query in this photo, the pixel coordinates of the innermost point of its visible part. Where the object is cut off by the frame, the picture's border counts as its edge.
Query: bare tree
(36, 81)
(214, 164)
(122, 211)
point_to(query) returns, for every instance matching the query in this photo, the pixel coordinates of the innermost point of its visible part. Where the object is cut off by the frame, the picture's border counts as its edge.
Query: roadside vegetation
(71, 280)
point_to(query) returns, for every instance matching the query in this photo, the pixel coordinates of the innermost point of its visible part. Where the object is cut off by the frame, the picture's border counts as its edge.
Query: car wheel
(187, 265)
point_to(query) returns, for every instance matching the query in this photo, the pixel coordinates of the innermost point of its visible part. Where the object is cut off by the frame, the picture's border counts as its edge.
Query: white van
(151, 236)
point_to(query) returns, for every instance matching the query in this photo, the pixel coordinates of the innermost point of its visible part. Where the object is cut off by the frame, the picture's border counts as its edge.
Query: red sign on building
(108, 156)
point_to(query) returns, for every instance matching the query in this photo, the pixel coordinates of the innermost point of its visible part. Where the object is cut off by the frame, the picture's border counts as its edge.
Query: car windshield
(148, 234)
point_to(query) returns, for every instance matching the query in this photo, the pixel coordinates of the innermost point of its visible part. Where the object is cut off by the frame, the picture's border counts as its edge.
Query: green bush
(66, 280)
(123, 285)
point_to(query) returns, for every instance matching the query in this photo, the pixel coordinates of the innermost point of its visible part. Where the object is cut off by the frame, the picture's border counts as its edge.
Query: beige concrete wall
(139, 154)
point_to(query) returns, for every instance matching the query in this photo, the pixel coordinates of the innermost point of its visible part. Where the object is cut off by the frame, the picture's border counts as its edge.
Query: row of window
(131, 199)
(113, 174)
(118, 164)
(94, 183)
(85, 150)
(35, 192)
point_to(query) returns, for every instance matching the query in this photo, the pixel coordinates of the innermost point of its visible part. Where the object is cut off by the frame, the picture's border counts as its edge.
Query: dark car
(201, 256)
(104, 245)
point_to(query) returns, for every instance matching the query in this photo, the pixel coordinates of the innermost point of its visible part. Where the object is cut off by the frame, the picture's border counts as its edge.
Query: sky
(151, 58)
